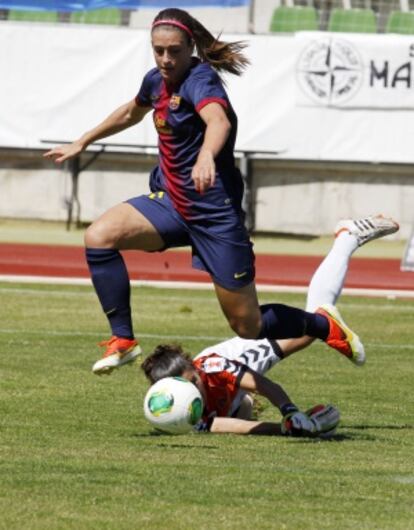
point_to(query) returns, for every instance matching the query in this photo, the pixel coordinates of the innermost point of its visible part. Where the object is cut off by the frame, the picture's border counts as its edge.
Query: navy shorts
(221, 248)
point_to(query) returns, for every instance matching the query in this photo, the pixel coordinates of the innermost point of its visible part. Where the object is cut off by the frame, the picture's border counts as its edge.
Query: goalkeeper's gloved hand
(296, 423)
(326, 419)
(320, 420)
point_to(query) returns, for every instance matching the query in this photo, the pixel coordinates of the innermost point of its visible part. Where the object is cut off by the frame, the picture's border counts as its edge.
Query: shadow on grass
(183, 446)
(334, 438)
(379, 427)
(156, 434)
(363, 434)
(164, 439)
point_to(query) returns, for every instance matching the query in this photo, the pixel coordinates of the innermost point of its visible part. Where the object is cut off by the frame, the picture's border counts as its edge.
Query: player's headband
(174, 23)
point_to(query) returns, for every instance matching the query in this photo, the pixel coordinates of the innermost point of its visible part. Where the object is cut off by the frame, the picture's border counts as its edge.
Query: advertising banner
(352, 70)
(316, 96)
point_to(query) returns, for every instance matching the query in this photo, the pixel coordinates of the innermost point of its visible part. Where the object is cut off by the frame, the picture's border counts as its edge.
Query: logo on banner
(330, 71)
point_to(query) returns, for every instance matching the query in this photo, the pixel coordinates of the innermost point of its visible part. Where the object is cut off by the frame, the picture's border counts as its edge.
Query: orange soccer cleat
(119, 351)
(341, 337)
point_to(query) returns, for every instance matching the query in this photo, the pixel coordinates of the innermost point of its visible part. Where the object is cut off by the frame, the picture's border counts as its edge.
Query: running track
(272, 270)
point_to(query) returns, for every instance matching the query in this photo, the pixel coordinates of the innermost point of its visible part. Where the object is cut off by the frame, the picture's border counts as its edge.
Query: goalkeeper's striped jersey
(221, 378)
(258, 355)
(222, 366)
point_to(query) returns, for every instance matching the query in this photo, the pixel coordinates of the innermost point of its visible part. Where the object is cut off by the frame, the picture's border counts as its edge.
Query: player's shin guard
(280, 321)
(111, 281)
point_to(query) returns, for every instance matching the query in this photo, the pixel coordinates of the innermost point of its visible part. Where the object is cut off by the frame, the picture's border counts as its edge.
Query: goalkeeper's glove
(326, 419)
(320, 420)
(296, 423)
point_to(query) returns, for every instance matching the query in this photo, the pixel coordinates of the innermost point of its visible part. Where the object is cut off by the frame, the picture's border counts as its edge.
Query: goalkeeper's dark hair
(222, 56)
(167, 360)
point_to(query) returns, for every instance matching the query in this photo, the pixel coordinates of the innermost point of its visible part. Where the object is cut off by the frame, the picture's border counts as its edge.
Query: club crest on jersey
(161, 125)
(214, 364)
(175, 102)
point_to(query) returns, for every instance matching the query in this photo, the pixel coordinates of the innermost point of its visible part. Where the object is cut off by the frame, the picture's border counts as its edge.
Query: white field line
(183, 297)
(385, 293)
(98, 334)
(55, 333)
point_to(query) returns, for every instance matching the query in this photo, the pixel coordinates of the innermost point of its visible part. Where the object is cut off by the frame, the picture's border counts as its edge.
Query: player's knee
(246, 328)
(245, 410)
(97, 236)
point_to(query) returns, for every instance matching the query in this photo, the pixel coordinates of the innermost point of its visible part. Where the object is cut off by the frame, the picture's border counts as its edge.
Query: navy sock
(280, 321)
(111, 281)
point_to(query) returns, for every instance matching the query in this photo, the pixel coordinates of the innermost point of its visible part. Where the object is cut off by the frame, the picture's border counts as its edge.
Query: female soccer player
(196, 195)
(221, 380)
(227, 372)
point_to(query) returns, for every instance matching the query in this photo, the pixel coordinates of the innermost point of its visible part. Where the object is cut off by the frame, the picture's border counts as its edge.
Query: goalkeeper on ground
(229, 372)
(226, 387)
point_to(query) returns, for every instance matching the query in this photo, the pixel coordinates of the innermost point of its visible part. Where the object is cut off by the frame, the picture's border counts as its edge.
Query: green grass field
(76, 452)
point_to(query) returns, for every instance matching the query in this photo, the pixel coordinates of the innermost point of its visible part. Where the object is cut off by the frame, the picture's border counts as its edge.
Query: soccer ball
(173, 405)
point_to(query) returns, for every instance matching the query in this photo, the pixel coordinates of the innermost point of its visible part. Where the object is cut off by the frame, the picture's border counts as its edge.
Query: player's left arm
(215, 136)
(321, 420)
(294, 421)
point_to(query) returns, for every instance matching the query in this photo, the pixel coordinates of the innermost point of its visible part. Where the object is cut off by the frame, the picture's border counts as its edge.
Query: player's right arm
(221, 425)
(122, 118)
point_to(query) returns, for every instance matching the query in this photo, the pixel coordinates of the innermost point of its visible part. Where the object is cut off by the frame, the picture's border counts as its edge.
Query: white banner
(313, 96)
(59, 81)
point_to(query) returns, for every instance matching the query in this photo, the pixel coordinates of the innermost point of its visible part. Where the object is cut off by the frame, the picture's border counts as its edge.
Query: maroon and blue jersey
(181, 135)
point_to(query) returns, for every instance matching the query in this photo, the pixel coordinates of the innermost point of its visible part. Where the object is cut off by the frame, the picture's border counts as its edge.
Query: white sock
(329, 278)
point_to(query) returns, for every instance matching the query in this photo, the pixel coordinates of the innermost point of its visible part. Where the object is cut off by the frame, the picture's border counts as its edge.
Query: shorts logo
(330, 71)
(238, 275)
(156, 195)
(175, 102)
